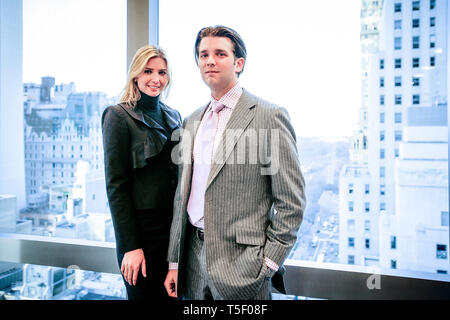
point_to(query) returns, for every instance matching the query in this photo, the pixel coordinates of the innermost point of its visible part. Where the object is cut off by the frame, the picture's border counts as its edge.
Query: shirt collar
(229, 99)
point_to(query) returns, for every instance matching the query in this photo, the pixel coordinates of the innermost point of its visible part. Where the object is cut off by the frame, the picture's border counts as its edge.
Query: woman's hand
(131, 263)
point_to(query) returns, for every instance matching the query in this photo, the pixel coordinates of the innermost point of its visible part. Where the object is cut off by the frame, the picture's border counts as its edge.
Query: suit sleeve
(175, 230)
(287, 188)
(118, 175)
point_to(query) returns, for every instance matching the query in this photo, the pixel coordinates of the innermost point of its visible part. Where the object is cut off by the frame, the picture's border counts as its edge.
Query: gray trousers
(198, 285)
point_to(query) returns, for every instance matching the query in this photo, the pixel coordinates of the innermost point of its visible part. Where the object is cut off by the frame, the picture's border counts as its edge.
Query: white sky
(302, 55)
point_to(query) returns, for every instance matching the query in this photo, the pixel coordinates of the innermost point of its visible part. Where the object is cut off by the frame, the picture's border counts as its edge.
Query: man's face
(218, 65)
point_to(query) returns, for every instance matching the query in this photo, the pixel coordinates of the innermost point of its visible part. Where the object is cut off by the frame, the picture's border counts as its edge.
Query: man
(235, 216)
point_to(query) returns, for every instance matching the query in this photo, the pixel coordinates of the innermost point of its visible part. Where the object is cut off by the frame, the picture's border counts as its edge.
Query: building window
(381, 117)
(393, 264)
(416, 5)
(415, 42)
(398, 63)
(367, 243)
(441, 251)
(432, 41)
(351, 259)
(432, 21)
(351, 242)
(441, 271)
(415, 62)
(416, 23)
(382, 99)
(393, 242)
(367, 206)
(382, 135)
(382, 172)
(444, 219)
(382, 206)
(397, 7)
(432, 61)
(415, 82)
(397, 24)
(382, 189)
(432, 4)
(398, 135)
(397, 43)
(381, 82)
(350, 206)
(366, 225)
(381, 63)
(350, 188)
(398, 81)
(398, 99)
(381, 153)
(351, 225)
(367, 189)
(416, 99)
(398, 117)
(396, 154)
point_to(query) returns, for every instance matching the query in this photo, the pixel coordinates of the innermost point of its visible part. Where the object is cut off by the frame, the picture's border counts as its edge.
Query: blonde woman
(140, 176)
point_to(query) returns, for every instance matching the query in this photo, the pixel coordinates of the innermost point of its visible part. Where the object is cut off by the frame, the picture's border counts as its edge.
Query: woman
(140, 176)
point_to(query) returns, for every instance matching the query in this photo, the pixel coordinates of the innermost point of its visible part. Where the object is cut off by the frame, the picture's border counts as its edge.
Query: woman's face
(154, 78)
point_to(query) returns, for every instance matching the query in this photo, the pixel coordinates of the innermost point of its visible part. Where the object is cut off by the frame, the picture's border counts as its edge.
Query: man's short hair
(239, 49)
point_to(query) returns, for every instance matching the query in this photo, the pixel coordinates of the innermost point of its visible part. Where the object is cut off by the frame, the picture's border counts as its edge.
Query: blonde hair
(131, 92)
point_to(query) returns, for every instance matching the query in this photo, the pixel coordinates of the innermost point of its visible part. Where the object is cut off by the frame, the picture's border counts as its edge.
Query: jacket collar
(169, 115)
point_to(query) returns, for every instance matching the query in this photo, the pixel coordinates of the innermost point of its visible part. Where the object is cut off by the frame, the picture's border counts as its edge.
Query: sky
(302, 55)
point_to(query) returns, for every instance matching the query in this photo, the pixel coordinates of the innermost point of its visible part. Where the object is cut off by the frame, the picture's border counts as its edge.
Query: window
(416, 5)
(396, 153)
(441, 251)
(432, 4)
(393, 264)
(382, 135)
(415, 42)
(350, 188)
(432, 21)
(397, 7)
(416, 99)
(351, 259)
(382, 206)
(398, 81)
(351, 225)
(398, 135)
(398, 117)
(367, 243)
(432, 61)
(350, 206)
(367, 188)
(381, 63)
(382, 189)
(381, 117)
(416, 62)
(444, 218)
(382, 99)
(381, 82)
(367, 206)
(382, 172)
(441, 271)
(381, 154)
(397, 43)
(393, 242)
(416, 23)
(366, 225)
(415, 82)
(397, 63)
(398, 99)
(432, 41)
(351, 242)
(397, 24)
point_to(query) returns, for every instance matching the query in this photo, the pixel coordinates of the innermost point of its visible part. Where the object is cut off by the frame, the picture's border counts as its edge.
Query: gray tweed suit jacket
(254, 201)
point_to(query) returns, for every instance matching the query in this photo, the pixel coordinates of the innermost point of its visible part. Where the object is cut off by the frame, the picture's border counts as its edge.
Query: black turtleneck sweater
(151, 108)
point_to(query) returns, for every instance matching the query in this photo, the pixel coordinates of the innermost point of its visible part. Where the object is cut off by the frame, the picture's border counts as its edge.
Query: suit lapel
(242, 114)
